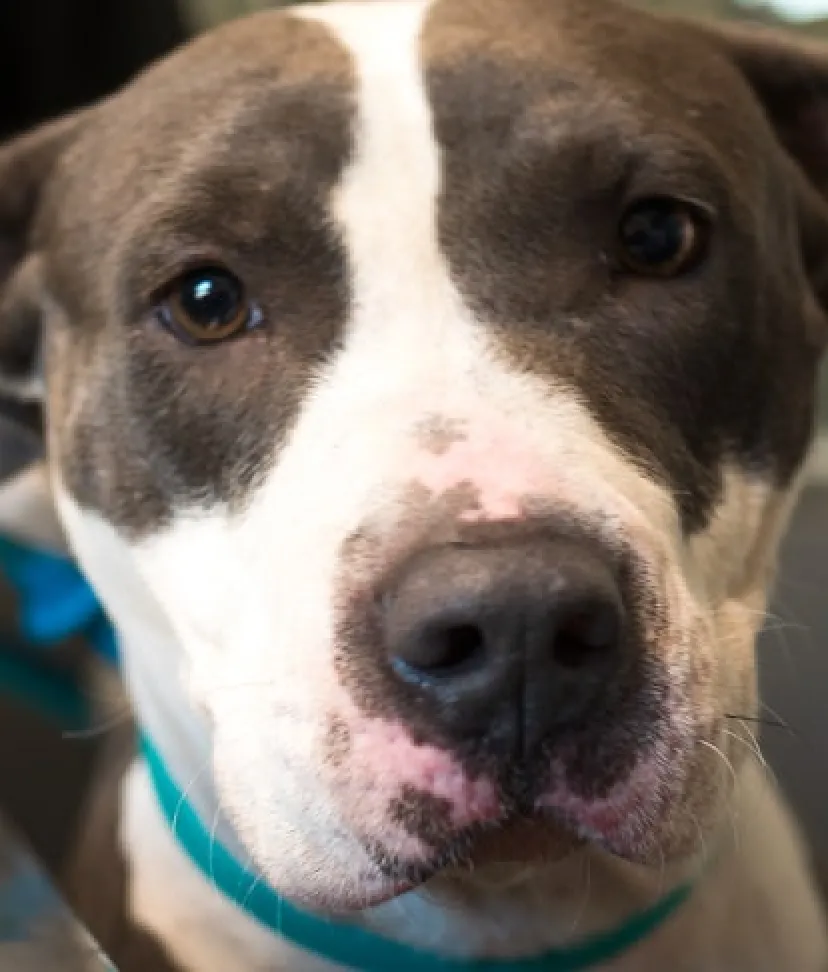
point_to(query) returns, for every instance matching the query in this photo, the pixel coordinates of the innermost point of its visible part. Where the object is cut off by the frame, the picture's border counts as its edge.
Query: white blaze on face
(250, 595)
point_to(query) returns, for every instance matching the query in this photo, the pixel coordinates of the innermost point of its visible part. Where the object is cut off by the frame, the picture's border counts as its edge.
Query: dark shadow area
(794, 669)
(56, 56)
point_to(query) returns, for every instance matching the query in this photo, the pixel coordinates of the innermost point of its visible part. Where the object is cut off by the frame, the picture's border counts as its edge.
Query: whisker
(101, 728)
(185, 793)
(702, 840)
(731, 809)
(774, 723)
(662, 873)
(776, 715)
(718, 752)
(752, 744)
(213, 832)
(582, 907)
(257, 880)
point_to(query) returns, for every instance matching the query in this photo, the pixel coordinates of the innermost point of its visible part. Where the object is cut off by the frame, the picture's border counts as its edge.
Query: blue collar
(349, 945)
(54, 603)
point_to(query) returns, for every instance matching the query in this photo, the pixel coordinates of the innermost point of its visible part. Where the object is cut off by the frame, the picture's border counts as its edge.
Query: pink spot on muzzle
(617, 819)
(389, 753)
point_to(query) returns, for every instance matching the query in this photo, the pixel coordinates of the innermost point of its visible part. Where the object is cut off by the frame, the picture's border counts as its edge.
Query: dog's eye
(207, 306)
(662, 237)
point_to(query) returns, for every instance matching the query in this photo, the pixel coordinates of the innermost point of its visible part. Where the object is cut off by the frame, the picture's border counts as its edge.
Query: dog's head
(437, 377)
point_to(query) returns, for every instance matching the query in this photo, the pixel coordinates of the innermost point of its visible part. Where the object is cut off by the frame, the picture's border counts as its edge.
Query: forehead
(262, 118)
(279, 93)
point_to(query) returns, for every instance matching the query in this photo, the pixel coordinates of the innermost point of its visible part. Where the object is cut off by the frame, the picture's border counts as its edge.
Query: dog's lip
(540, 839)
(518, 840)
(621, 822)
(537, 838)
(558, 824)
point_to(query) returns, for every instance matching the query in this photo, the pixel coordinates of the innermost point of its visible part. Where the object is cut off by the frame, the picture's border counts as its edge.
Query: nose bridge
(486, 452)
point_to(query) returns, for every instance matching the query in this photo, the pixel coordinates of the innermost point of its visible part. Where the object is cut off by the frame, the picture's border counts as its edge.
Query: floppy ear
(26, 164)
(789, 76)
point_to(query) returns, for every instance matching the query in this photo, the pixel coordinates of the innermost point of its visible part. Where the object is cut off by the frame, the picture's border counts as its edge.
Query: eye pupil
(661, 237)
(211, 300)
(653, 235)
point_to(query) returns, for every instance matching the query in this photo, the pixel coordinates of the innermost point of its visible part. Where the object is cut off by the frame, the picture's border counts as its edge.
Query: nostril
(444, 650)
(585, 638)
(461, 645)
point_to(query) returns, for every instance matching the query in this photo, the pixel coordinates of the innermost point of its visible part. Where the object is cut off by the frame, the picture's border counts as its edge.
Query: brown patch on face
(226, 155)
(460, 499)
(422, 815)
(537, 174)
(337, 741)
(438, 434)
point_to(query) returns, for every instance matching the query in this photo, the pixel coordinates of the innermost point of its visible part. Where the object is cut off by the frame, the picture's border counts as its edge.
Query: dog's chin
(517, 846)
(521, 843)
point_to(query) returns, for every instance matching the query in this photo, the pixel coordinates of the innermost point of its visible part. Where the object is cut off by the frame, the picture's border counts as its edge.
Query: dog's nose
(505, 646)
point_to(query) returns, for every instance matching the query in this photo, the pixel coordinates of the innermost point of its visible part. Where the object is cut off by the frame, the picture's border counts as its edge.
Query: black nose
(506, 645)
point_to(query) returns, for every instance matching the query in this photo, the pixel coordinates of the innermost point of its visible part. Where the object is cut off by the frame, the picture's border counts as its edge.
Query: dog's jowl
(425, 388)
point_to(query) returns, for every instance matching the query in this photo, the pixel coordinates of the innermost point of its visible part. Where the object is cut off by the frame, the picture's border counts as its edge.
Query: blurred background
(59, 54)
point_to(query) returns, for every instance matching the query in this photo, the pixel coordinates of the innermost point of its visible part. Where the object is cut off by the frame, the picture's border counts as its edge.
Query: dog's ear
(789, 76)
(26, 164)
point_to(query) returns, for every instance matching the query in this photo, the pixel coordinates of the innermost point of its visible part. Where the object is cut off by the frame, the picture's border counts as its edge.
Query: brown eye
(662, 237)
(207, 306)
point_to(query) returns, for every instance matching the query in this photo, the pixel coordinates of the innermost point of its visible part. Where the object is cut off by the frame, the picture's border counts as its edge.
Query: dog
(426, 387)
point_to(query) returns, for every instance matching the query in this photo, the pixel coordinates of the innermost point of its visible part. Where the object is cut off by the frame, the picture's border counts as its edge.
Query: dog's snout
(506, 645)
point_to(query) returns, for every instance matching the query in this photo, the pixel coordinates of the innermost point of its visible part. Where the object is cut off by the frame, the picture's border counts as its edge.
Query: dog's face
(437, 378)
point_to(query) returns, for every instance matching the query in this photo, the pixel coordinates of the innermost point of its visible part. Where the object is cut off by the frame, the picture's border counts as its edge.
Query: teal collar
(353, 947)
(54, 601)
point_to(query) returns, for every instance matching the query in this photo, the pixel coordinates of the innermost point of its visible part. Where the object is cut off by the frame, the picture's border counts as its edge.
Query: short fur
(423, 198)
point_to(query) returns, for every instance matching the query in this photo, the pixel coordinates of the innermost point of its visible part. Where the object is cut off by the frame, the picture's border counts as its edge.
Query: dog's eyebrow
(202, 225)
(151, 260)
(156, 259)
(684, 166)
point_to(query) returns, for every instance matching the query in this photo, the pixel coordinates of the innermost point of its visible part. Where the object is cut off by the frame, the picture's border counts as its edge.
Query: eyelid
(706, 209)
(179, 271)
(151, 269)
